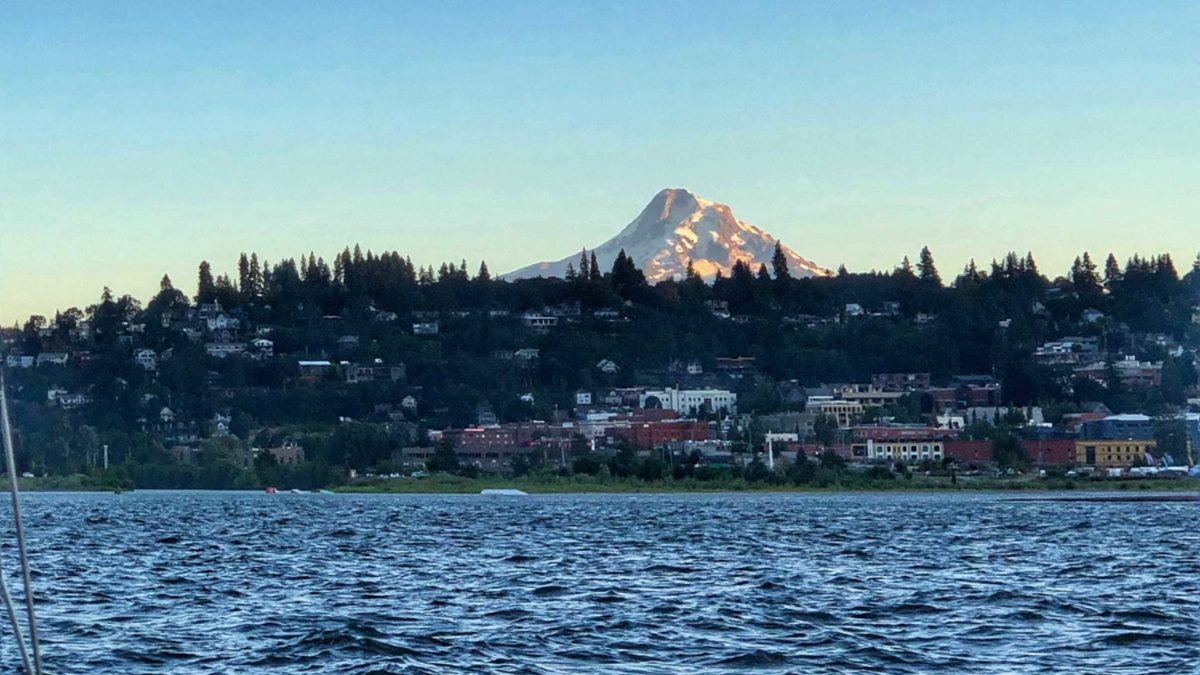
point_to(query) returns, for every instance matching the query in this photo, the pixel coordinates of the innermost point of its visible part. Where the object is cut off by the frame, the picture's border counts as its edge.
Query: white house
(223, 322)
(583, 397)
(54, 358)
(539, 321)
(608, 366)
(223, 350)
(690, 401)
(264, 347)
(146, 358)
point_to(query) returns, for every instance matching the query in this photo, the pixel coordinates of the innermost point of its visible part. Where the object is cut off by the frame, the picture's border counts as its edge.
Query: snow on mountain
(675, 227)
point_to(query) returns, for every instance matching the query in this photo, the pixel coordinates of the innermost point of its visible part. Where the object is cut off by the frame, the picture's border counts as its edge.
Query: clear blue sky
(138, 138)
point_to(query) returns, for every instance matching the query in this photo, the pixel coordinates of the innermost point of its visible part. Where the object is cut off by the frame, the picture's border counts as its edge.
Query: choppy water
(232, 583)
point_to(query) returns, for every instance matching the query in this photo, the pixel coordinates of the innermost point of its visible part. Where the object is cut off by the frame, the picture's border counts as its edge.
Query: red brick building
(658, 434)
(1051, 453)
(969, 452)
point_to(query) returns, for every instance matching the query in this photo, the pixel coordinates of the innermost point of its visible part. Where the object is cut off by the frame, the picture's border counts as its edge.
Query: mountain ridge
(676, 227)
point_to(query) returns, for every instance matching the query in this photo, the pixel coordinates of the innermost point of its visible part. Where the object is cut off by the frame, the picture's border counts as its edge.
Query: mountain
(675, 227)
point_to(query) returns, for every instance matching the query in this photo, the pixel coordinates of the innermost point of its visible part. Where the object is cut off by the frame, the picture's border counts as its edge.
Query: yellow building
(1104, 454)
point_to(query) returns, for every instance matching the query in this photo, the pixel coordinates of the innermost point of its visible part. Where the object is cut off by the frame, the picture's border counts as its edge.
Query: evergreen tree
(585, 269)
(206, 287)
(256, 276)
(244, 283)
(596, 274)
(483, 274)
(1112, 272)
(926, 268)
(779, 263)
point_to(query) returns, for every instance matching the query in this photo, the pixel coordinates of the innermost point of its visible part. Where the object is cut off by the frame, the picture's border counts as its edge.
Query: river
(190, 582)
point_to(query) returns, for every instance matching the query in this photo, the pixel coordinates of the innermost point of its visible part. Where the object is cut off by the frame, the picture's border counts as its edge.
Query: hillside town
(299, 374)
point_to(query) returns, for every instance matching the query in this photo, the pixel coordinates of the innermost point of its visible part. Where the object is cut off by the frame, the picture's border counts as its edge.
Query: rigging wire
(10, 460)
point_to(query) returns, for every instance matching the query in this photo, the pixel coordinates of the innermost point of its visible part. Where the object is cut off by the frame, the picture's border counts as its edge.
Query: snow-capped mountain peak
(677, 227)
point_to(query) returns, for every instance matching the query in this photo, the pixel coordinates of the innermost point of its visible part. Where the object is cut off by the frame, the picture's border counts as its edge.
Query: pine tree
(571, 275)
(763, 274)
(165, 285)
(692, 274)
(1112, 272)
(596, 274)
(244, 284)
(906, 267)
(205, 287)
(483, 274)
(779, 262)
(256, 277)
(585, 270)
(927, 269)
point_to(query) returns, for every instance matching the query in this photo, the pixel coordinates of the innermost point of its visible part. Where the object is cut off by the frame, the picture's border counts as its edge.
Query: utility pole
(106, 457)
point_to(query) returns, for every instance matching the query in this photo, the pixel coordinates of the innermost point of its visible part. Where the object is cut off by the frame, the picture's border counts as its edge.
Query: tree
(779, 263)
(444, 459)
(1112, 273)
(245, 285)
(595, 274)
(1084, 278)
(206, 288)
(926, 269)
(483, 274)
(1008, 451)
(256, 276)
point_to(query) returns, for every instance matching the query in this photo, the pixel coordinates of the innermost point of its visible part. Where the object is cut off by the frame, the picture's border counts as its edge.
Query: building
(1115, 441)
(146, 358)
(647, 435)
(263, 347)
(737, 365)
(905, 450)
(1118, 427)
(425, 328)
(868, 395)
(583, 397)
(222, 350)
(1109, 453)
(691, 401)
(539, 322)
(1051, 452)
(968, 452)
(608, 366)
(900, 381)
(845, 412)
(1129, 372)
(52, 358)
(289, 453)
(313, 370)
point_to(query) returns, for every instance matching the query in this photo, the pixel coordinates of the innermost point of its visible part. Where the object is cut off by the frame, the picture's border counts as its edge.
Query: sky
(137, 139)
